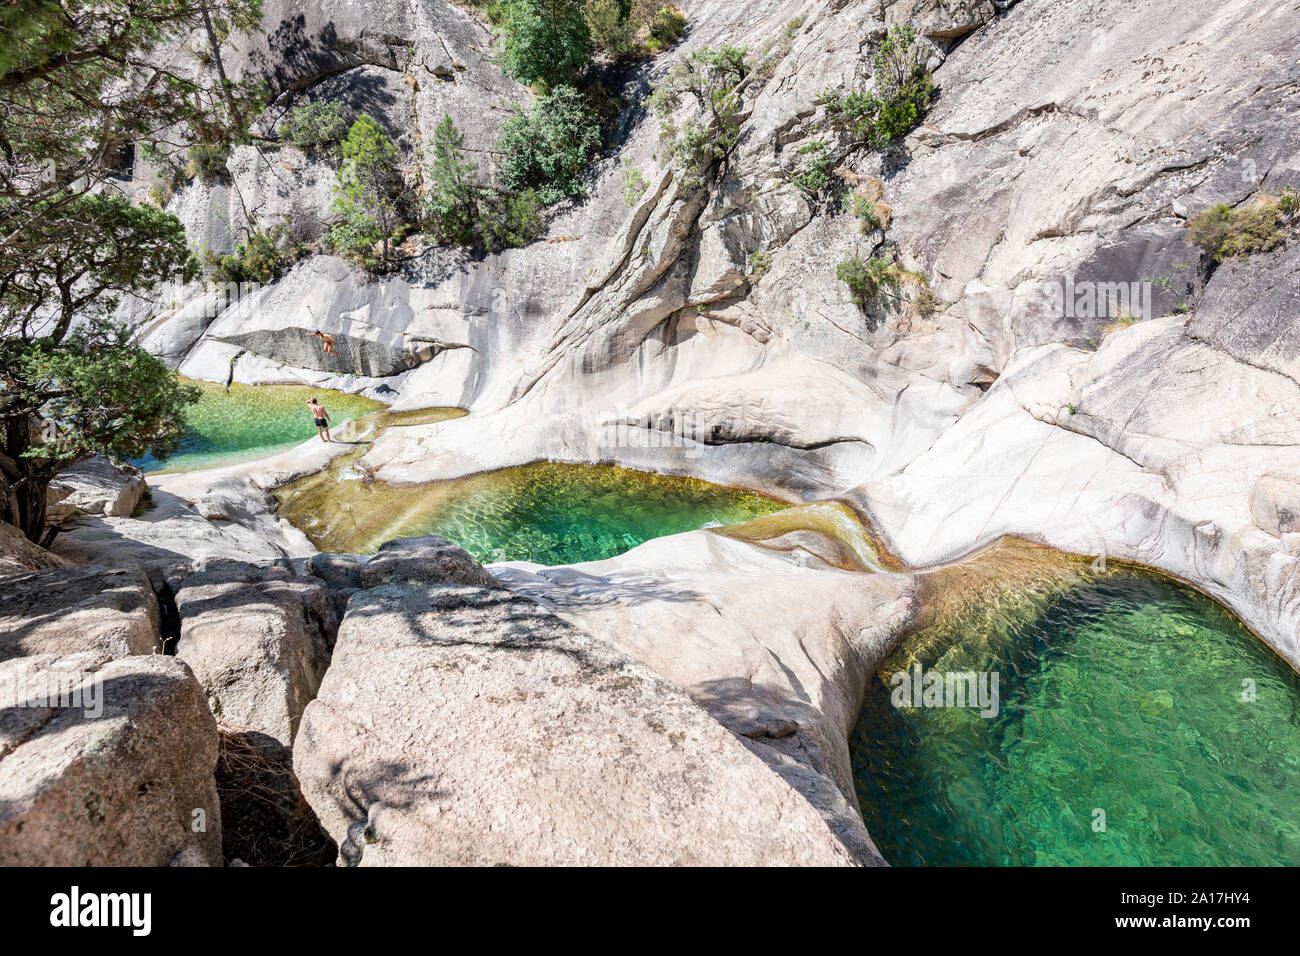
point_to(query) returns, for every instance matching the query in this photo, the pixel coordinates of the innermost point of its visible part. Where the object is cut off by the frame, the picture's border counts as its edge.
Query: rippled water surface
(249, 421)
(1124, 695)
(546, 513)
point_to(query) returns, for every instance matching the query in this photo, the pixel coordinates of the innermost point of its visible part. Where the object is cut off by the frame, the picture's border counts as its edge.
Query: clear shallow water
(251, 421)
(1123, 694)
(546, 513)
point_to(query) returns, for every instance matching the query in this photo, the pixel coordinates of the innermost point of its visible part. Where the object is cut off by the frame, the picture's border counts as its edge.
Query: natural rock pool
(250, 421)
(1121, 693)
(545, 513)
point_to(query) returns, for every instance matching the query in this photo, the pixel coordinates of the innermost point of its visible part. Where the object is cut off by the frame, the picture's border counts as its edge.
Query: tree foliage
(316, 126)
(866, 278)
(451, 203)
(459, 212)
(544, 41)
(65, 399)
(627, 28)
(81, 81)
(80, 249)
(261, 257)
(902, 90)
(367, 193)
(813, 174)
(507, 220)
(709, 79)
(547, 146)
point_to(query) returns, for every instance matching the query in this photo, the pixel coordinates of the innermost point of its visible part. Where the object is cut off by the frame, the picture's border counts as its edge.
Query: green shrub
(161, 194)
(926, 303)
(871, 214)
(708, 77)
(854, 111)
(864, 211)
(666, 26)
(903, 90)
(815, 164)
(607, 21)
(1289, 202)
(634, 184)
(866, 277)
(759, 263)
(627, 28)
(547, 147)
(509, 220)
(544, 41)
(207, 163)
(459, 213)
(316, 126)
(1225, 232)
(262, 257)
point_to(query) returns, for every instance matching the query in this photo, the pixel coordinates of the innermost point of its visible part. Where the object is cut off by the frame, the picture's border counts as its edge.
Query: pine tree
(368, 186)
(451, 204)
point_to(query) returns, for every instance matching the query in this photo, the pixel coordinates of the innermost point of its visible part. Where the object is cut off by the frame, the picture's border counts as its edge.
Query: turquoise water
(250, 421)
(1124, 695)
(545, 513)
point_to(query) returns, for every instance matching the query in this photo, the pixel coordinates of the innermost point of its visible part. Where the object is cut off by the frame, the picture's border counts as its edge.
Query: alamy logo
(1068, 299)
(56, 687)
(74, 909)
(921, 688)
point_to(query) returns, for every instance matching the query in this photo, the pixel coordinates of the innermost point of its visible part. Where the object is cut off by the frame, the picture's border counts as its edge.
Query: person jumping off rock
(322, 420)
(327, 341)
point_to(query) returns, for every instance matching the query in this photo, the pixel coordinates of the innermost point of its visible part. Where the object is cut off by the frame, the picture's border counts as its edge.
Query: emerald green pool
(250, 421)
(545, 513)
(1123, 694)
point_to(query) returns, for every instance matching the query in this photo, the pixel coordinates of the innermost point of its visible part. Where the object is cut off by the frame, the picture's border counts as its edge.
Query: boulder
(209, 516)
(426, 560)
(1275, 504)
(17, 554)
(258, 640)
(461, 724)
(95, 486)
(109, 612)
(120, 775)
(762, 633)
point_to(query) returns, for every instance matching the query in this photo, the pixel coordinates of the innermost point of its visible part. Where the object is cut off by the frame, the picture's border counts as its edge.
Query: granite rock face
(1071, 370)
(95, 486)
(17, 554)
(258, 640)
(197, 516)
(108, 612)
(121, 775)
(469, 725)
(770, 639)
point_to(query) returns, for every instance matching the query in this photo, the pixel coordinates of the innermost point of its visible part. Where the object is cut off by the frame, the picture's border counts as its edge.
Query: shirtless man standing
(322, 420)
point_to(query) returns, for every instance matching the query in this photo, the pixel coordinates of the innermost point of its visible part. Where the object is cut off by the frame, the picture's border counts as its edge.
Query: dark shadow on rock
(264, 819)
